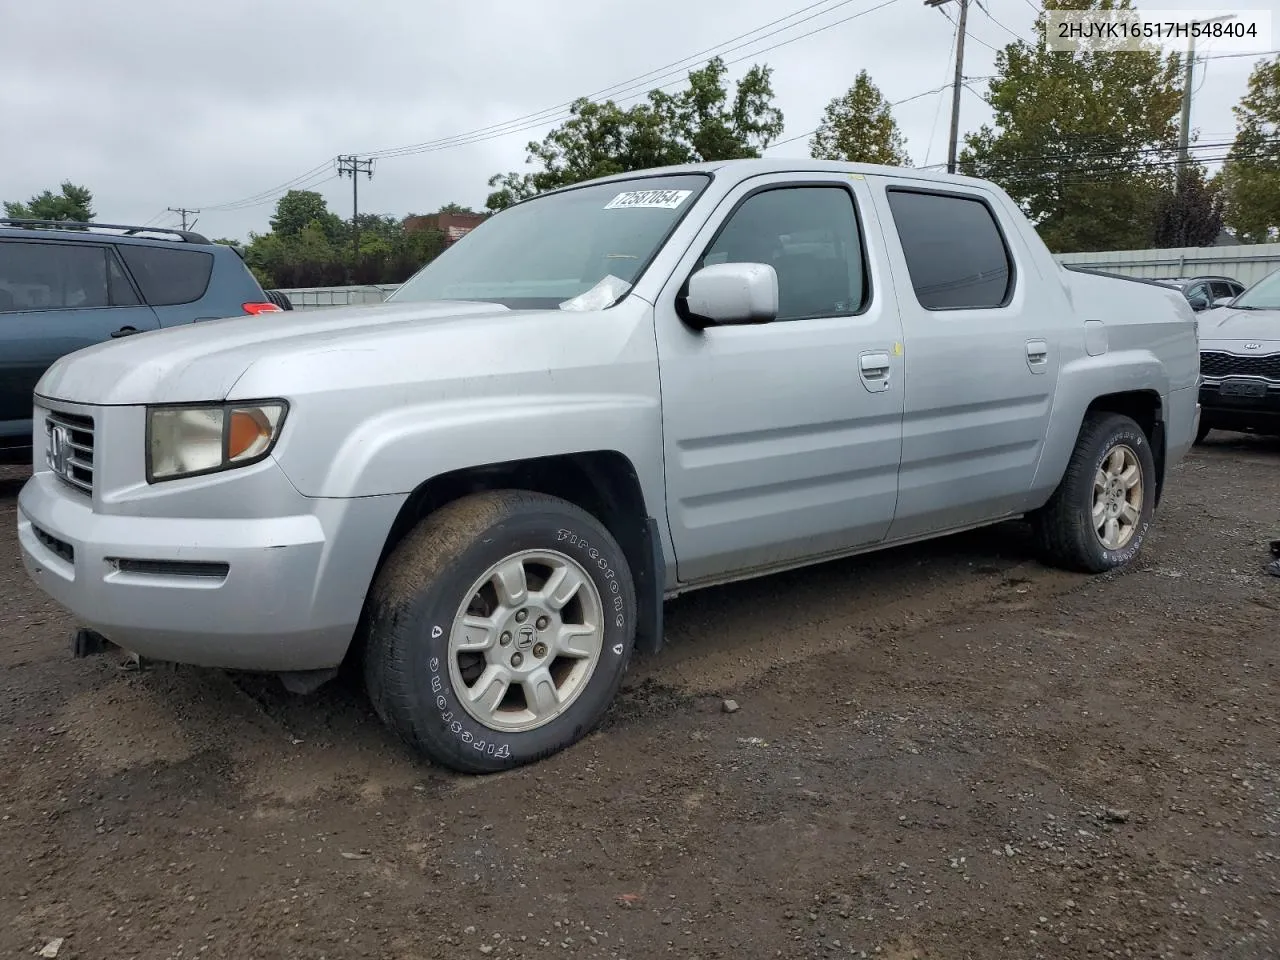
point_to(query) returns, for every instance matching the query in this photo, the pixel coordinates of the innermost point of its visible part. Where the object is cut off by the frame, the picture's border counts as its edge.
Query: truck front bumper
(280, 593)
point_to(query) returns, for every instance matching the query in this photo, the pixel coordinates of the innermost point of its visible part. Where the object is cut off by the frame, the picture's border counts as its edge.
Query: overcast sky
(203, 104)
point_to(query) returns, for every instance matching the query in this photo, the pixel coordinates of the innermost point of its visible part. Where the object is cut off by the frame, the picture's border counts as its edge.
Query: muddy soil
(945, 751)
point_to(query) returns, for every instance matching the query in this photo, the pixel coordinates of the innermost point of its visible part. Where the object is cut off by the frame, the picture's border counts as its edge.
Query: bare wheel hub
(526, 640)
(1117, 497)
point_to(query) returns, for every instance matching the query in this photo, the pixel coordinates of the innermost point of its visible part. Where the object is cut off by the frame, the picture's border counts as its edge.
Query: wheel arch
(1146, 408)
(605, 483)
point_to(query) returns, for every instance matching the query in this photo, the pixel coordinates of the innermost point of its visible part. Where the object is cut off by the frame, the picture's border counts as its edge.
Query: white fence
(1247, 263)
(308, 298)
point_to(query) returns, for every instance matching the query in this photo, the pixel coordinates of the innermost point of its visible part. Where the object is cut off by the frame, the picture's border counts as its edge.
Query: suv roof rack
(77, 226)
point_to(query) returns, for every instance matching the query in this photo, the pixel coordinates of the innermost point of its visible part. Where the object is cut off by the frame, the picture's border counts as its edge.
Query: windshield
(550, 251)
(1263, 295)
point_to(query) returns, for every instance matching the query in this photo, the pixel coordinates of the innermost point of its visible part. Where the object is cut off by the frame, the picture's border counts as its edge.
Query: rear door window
(53, 276)
(956, 255)
(168, 277)
(1221, 288)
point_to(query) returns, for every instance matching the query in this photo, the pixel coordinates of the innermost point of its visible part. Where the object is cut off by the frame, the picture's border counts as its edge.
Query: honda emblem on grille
(60, 449)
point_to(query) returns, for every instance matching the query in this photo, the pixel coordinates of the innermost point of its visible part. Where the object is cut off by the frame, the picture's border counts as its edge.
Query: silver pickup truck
(482, 490)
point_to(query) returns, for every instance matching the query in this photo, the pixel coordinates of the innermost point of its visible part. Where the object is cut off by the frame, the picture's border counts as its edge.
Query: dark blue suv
(66, 285)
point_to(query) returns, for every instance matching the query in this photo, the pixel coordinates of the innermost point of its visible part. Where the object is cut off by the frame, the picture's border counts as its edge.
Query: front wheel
(1202, 430)
(498, 630)
(1098, 517)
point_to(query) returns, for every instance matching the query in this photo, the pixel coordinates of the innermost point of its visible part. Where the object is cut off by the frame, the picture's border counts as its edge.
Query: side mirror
(726, 294)
(1222, 301)
(1198, 303)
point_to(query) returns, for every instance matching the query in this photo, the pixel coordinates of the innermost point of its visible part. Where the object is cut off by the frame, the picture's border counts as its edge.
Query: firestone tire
(1072, 528)
(544, 678)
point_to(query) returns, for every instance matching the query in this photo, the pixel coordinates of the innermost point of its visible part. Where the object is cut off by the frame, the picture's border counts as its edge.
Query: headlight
(188, 440)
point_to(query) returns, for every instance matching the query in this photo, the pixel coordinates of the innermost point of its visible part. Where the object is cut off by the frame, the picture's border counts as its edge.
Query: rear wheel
(1098, 517)
(499, 630)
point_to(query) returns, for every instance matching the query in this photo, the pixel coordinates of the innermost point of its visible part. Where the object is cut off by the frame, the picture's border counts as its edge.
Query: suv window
(955, 253)
(53, 276)
(810, 236)
(168, 277)
(1223, 289)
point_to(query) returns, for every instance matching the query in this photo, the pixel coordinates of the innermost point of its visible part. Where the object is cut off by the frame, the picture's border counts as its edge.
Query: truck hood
(1224, 325)
(203, 360)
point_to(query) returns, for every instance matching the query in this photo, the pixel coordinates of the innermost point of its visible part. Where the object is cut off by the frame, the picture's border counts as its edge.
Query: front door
(782, 439)
(56, 298)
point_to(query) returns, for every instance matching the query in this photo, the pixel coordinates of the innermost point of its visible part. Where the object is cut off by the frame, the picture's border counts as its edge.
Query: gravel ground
(945, 751)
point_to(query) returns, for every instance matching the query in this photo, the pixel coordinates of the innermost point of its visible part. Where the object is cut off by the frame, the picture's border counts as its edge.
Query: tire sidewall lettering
(601, 566)
(1119, 558)
(579, 543)
(452, 720)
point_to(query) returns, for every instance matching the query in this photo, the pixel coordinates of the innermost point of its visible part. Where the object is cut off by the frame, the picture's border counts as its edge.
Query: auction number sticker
(649, 199)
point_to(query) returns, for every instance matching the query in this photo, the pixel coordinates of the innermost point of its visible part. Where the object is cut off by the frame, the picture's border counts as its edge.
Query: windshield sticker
(649, 199)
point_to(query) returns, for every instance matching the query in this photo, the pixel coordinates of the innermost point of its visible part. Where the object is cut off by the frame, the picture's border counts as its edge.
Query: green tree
(1251, 175)
(1081, 141)
(1190, 216)
(297, 209)
(71, 203)
(858, 127)
(699, 123)
(454, 208)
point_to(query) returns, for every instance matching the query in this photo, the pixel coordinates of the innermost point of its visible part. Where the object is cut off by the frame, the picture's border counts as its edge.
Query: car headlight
(194, 439)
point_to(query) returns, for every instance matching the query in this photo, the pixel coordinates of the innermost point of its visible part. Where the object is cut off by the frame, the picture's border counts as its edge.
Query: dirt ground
(945, 751)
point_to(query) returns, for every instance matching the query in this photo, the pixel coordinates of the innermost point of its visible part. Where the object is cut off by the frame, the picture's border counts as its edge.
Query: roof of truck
(754, 167)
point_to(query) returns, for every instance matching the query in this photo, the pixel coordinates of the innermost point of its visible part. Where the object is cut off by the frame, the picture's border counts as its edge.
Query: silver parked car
(1240, 362)
(600, 398)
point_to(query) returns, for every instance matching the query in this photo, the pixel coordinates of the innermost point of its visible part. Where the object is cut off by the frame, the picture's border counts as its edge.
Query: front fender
(394, 451)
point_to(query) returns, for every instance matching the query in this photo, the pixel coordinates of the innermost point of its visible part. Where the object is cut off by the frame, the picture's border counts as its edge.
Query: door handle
(874, 369)
(874, 364)
(1037, 356)
(124, 332)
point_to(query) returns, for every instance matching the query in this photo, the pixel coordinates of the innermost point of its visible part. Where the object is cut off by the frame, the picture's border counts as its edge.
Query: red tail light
(256, 308)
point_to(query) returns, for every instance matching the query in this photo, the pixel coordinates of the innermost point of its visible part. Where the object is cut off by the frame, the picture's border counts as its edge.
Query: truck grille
(69, 448)
(1216, 364)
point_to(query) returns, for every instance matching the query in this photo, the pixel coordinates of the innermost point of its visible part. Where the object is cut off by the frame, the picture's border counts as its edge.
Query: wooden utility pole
(354, 165)
(1188, 76)
(184, 211)
(955, 89)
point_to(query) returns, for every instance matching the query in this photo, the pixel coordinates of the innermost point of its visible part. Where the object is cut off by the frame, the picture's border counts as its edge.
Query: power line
(937, 110)
(1231, 56)
(255, 198)
(970, 34)
(624, 86)
(1016, 36)
(549, 115)
(894, 103)
(466, 139)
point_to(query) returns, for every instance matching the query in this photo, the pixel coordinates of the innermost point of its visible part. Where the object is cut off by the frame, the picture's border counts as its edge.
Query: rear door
(178, 282)
(56, 298)
(981, 352)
